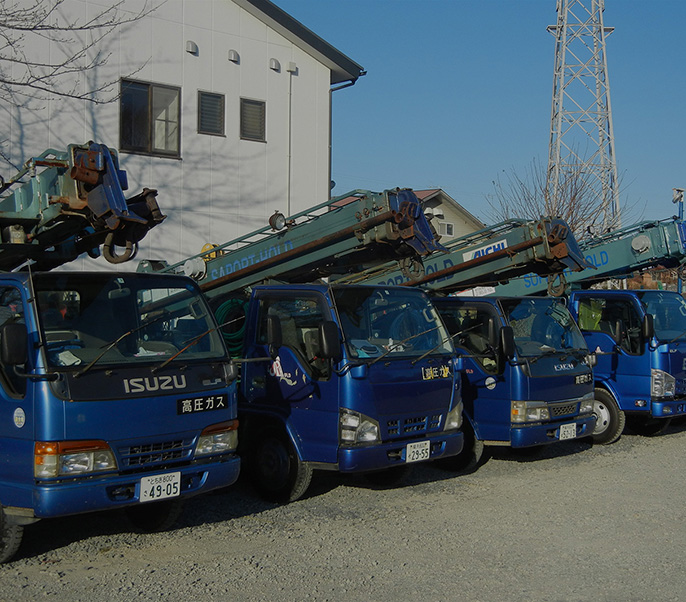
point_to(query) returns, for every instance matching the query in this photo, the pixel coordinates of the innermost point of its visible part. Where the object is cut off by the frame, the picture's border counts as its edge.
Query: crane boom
(346, 234)
(494, 254)
(616, 255)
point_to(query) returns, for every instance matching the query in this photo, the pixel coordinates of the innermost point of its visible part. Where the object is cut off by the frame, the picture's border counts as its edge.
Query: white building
(224, 106)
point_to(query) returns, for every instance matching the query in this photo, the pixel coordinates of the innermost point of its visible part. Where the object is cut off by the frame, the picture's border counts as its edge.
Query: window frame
(150, 149)
(222, 98)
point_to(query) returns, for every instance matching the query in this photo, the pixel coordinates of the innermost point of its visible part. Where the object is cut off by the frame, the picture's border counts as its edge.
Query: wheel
(649, 427)
(275, 469)
(153, 517)
(471, 455)
(10, 537)
(610, 419)
(389, 477)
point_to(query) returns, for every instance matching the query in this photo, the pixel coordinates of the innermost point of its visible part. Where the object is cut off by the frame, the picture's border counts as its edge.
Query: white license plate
(567, 431)
(416, 452)
(160, 487)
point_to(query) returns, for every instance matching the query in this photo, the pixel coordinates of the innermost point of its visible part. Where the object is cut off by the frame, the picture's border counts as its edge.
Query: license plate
(160, 487)
(567, 431)
(416, 452)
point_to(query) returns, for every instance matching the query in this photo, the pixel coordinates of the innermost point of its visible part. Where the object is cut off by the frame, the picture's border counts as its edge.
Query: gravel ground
(575, 523)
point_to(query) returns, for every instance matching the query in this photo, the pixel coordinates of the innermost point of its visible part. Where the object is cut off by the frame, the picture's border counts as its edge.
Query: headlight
(357, 428)
(530, 411)
(662, 384)
(586, 404)
(454, 418)
(218, 439)
(71, 458)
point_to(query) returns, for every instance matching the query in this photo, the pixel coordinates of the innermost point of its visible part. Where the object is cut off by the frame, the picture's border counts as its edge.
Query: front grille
(149, 454)
(400, 427)
(562, 409)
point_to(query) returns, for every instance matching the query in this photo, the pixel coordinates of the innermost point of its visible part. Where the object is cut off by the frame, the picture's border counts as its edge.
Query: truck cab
(639, 338)
(116, 391)
(526, 375)
(344, 378)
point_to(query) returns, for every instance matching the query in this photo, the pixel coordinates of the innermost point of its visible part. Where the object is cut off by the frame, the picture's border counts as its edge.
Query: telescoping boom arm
(617, 255)
(489, 256)
(346, 234)
(65, 203)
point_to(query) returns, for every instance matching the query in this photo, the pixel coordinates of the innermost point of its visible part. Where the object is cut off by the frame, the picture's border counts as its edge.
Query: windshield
(390, 321)
(107, 319)
(542, 326)
(669, 313)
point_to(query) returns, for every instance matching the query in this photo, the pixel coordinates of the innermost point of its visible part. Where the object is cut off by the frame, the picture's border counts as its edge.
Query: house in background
(224, 107)
(450, 219)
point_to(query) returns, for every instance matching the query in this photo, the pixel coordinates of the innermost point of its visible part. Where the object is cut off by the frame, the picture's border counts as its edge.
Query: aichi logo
(487, 250)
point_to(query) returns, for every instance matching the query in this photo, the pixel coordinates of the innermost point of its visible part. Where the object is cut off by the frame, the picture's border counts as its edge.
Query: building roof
(342, 68)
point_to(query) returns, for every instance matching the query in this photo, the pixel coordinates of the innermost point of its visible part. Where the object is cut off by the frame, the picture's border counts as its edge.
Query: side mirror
(507, 342)
(274, 335)
(329, 339)
(14, 344)
(231, 371)
(648, 327)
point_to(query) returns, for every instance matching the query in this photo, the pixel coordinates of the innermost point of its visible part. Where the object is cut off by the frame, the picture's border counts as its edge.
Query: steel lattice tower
(581, 133)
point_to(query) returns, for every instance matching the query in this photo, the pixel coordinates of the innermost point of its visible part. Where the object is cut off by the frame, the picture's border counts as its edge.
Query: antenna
(581, 132)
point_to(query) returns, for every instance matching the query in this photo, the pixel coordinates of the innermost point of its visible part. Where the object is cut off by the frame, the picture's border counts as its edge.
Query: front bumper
(387, 455)
(549, 432)
(109, 492)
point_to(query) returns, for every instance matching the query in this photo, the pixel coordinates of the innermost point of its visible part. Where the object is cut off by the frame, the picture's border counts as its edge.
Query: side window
(600, 314)
(300, 318)
(468, 325)
(11, 311)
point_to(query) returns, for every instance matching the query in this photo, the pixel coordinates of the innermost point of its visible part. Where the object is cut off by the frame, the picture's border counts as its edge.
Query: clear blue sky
(458, 91)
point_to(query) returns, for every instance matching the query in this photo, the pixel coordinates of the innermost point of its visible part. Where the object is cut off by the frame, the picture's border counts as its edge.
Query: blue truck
(639, 339)
(527, 378)
(116, 389)
(637, 336)
(360, 379)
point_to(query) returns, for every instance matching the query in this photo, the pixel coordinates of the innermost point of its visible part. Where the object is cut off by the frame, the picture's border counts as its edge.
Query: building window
(446, 229)
(150, 115)
(253, 113)
(210, 113)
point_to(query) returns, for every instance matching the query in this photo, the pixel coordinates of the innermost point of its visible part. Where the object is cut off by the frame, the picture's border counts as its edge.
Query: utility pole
(581, 133)
(678, 198)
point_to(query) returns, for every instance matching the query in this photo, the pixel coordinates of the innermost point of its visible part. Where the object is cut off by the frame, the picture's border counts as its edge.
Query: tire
(610, 420)
(10, 537)
(648, 427)
(275, 469)
(389, 477)
(471, 455)
(154, 517)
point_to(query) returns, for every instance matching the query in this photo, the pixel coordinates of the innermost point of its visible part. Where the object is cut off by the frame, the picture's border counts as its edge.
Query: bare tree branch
(24, 77)
(526, 197)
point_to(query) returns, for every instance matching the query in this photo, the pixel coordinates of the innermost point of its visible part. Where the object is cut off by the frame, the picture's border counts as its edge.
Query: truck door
(298, 386)
(485, 391)
(16, 413)
(628, 369)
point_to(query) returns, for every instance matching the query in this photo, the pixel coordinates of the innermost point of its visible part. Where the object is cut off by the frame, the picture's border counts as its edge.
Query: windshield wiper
(395, 346)
(160, 314)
